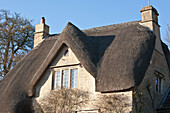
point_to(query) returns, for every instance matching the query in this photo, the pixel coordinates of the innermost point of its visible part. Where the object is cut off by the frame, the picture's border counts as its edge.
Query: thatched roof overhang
(126, 60)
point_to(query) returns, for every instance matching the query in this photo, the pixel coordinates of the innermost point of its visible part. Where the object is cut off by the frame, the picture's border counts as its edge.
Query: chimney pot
(43, 20)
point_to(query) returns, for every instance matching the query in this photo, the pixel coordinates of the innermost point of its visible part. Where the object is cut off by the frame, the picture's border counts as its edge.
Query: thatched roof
(167, 53)
(14, 85)
(116, 55)
(127, 58)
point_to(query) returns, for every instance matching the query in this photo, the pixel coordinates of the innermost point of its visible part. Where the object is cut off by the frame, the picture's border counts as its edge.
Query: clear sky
(86, 13)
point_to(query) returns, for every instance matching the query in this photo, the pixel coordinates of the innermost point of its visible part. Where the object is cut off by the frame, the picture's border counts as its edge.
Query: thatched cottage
(116, 68)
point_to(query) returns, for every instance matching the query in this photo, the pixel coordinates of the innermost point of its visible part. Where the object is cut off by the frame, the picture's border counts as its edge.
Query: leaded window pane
(159, 80)
(65, 78)
(57, 82)
(160, 84)
(156, 83)
(74, 78)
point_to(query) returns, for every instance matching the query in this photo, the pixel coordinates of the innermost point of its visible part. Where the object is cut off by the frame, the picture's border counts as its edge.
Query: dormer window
(158, 81)
(66, 53)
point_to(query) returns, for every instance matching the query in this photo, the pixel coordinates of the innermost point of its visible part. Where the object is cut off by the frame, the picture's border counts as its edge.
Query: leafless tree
(113, 103)
(65, 101)
(16, 39)
(168, 35)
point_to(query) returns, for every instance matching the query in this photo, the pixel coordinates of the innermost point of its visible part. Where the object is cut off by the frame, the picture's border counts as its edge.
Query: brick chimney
(150, 19)
(41, 30)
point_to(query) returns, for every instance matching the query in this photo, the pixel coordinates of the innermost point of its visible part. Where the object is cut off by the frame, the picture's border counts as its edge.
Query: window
(65, 78)
(65, 74)
(74, 77)
(66, 53)
(57, 81)
(158, 81)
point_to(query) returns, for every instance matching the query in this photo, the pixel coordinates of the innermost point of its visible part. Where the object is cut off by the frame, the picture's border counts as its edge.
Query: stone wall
(145, 97)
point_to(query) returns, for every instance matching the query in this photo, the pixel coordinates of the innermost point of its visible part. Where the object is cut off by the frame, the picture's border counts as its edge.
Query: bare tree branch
(16, 36)
(113, 103)
(65, 101)
(167, 39)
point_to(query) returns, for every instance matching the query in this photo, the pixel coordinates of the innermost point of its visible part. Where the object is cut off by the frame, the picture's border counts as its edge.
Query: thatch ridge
(97, 31)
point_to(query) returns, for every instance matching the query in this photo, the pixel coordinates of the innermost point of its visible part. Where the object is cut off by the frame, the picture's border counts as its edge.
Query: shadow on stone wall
(27, 105)
(24, 106)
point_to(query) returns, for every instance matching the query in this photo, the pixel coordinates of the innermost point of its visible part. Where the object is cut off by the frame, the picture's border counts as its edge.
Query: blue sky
(86, 13)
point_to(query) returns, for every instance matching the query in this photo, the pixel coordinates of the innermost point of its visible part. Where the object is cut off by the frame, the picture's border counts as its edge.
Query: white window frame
(69, 68)
(158, 82)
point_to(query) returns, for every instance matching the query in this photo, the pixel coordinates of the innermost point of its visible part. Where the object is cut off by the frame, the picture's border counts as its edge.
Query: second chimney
(150, 19)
